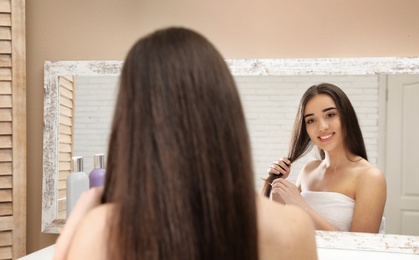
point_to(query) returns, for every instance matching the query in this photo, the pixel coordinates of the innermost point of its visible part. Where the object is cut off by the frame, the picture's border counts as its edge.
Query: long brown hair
(179, 163)
(300, 141)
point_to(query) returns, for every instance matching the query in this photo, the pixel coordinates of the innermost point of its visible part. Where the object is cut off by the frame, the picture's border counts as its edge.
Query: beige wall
(97, 29)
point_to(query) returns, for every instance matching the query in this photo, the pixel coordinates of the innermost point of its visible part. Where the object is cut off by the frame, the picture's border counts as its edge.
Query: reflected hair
(179, 166)
(301, 144)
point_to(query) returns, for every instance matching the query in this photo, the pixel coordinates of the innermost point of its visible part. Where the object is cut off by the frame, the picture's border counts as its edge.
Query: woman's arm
(370, 199)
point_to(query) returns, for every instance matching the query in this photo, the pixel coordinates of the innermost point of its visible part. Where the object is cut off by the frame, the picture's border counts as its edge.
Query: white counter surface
(334, 245)
(323, 254)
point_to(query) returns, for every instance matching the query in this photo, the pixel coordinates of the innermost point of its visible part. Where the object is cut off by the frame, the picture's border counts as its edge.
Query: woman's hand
(87, 201)
(288, 192)
(282, 166)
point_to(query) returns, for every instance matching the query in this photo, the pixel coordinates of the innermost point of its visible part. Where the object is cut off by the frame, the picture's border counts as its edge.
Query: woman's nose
(323, 125)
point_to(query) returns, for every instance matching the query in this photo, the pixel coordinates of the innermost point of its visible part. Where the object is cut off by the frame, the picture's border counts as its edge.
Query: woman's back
(283, 233)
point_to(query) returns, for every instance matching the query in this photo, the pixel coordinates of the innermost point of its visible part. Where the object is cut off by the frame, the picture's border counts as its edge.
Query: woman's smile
(326, 138)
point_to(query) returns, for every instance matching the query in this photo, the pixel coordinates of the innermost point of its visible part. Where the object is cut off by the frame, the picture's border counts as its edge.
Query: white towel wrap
(334, 207)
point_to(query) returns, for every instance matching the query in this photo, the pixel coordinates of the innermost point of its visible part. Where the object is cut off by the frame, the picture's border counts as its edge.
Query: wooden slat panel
(67, 83)
(5, 33)
(5, 101)
(5, 141)
(65, 111)
(6, 182)
(5, 114)
(65, 139)
(6, 252)
(6, 209)
(64, 157)
(62, 184)
(62, 214)
(65, 129)
(6, 238)
(62, 204)
(19, 127)
(64, 166)
(64, 148)
(5, 60)
(5, 6)
(5, 195)
(64, 92)
(5, 168)
(64, 160)
(66, 102)
(62, 194)
(6, 223)
(5, 74)
(5, 128)
(5, 155)
(63, 175)
(65, 121)
(5, 46)
(5, 88)
(5, 19)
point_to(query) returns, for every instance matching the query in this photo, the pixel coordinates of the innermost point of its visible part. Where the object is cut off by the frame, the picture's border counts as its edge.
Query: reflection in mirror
(264, 85)
(60, 143)
(86, 107)
(66, 134)
(270, 104)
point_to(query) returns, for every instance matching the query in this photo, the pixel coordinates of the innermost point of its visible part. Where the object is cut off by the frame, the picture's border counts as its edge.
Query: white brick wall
(94, 105)
(270, 104)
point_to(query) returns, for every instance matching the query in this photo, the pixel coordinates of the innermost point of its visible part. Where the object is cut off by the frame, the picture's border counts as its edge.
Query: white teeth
(325, 137)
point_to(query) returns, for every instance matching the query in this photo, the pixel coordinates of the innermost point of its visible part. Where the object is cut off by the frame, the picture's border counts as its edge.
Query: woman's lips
(327, 137)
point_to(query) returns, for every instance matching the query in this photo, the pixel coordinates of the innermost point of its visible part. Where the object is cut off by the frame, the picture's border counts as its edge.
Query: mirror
(59, 92)
(262, 72)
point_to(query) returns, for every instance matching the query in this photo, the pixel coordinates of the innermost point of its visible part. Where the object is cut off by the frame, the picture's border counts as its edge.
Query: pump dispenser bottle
(77, 183)
(97, 175)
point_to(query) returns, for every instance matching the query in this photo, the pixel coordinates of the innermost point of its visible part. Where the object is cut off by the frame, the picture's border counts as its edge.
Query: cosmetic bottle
(97, 175)
(77, 183)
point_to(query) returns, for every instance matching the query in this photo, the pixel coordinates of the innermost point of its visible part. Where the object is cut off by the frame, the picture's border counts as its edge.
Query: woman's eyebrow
(308, 115)
(327, 109)
(324, 110)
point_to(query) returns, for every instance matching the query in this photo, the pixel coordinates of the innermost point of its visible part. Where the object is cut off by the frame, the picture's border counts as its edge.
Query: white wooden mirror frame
(244, 67)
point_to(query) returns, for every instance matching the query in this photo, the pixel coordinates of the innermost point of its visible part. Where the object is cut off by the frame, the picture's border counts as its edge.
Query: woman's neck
(333, 161)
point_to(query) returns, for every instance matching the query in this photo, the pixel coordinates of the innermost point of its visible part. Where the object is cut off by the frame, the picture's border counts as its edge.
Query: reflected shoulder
(372, 175)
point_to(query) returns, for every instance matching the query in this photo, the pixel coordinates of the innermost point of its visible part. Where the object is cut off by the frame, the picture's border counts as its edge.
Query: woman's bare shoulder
(370, 179)
(90, 239)
(366, 173)
(284, 231)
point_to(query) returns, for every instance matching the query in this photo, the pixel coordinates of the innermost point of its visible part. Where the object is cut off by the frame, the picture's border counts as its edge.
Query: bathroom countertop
(323, 254)
(44, 254)
(334, 245)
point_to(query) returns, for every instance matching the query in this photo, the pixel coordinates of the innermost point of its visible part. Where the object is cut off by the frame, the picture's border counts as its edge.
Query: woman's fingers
(282, 166)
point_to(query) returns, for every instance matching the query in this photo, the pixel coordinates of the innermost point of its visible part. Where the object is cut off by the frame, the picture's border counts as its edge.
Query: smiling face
(322, 122)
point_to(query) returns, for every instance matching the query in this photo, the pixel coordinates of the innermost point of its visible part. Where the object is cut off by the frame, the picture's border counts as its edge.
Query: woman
(342, 190)
(179, 183)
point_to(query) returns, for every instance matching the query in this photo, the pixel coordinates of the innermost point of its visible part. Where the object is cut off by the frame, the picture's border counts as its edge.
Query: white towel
(334, 207)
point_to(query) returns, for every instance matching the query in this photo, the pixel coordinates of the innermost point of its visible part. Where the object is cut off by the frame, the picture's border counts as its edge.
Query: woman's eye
(310, 121)
(330, 115)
